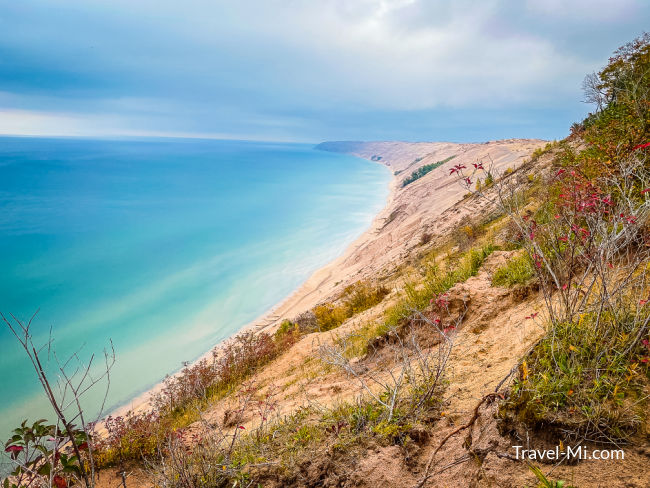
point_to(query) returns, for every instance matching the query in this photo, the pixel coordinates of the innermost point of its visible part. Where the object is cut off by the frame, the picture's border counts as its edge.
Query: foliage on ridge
(424, 170)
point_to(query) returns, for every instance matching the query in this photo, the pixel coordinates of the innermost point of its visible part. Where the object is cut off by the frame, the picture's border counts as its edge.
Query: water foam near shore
(165, 247)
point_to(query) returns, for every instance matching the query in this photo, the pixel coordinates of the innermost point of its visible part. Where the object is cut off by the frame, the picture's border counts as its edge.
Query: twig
(470, 423)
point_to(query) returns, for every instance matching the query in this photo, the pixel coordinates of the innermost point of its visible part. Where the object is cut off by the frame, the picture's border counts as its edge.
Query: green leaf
(45, 469)
(72, 469)
(43, 449)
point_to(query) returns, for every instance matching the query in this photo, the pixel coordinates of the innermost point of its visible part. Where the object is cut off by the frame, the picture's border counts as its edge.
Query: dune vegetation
(424, 170)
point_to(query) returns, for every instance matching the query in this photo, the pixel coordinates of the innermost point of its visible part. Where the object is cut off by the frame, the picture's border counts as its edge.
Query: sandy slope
(409, 212)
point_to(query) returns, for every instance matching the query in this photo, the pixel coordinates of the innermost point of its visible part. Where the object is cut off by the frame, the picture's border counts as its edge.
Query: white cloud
(166, 66)
(368, 58)
(37, 123)
(31, 123)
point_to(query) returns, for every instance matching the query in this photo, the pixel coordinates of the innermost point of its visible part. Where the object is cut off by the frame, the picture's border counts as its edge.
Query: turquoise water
(164, 246)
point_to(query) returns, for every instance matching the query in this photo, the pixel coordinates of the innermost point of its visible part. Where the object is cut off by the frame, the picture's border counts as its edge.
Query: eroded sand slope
(410, 212)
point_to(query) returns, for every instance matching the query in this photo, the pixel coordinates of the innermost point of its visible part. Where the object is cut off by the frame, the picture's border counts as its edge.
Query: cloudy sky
(307, 70)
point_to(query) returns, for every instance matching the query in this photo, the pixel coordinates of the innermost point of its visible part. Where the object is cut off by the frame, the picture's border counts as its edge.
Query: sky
(305, 71)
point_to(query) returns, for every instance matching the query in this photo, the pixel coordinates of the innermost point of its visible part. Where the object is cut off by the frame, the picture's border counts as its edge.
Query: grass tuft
(518, 271)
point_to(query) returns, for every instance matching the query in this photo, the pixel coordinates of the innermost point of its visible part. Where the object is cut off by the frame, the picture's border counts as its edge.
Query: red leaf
(641, 146)
(59, 482)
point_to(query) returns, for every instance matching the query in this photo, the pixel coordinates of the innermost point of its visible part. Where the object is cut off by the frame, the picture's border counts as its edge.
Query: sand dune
(410, 212)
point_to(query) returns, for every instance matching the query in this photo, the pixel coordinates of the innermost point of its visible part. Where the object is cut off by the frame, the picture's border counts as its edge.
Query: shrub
(329, 316)
(592, 377)
(621, 93)
(287, 328)
(425, 238)
(131, 436)
(43, 455)
(306, 322)
(355, 298)
(536, 154)
(135, 436)
(590, 251)
(466, 233)
(361, 296)
(59, 454)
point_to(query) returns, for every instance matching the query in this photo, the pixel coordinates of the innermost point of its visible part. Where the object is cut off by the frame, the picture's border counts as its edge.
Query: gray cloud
(303, 70)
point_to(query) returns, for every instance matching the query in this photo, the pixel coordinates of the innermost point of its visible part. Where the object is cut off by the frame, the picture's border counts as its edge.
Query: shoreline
(304, 297)
(409, 214)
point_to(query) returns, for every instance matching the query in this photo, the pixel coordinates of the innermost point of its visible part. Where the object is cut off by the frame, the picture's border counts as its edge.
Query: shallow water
(164, 247)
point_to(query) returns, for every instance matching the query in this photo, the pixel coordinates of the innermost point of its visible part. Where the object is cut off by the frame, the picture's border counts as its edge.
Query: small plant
(518, 271)
(400, 391)
(466, 233)
(287, 328)
(544, 482)
(63, 453)
(361, 296)
(43, 454)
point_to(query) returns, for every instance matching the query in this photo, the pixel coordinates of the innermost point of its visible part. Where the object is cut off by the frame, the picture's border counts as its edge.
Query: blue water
(164, 246)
